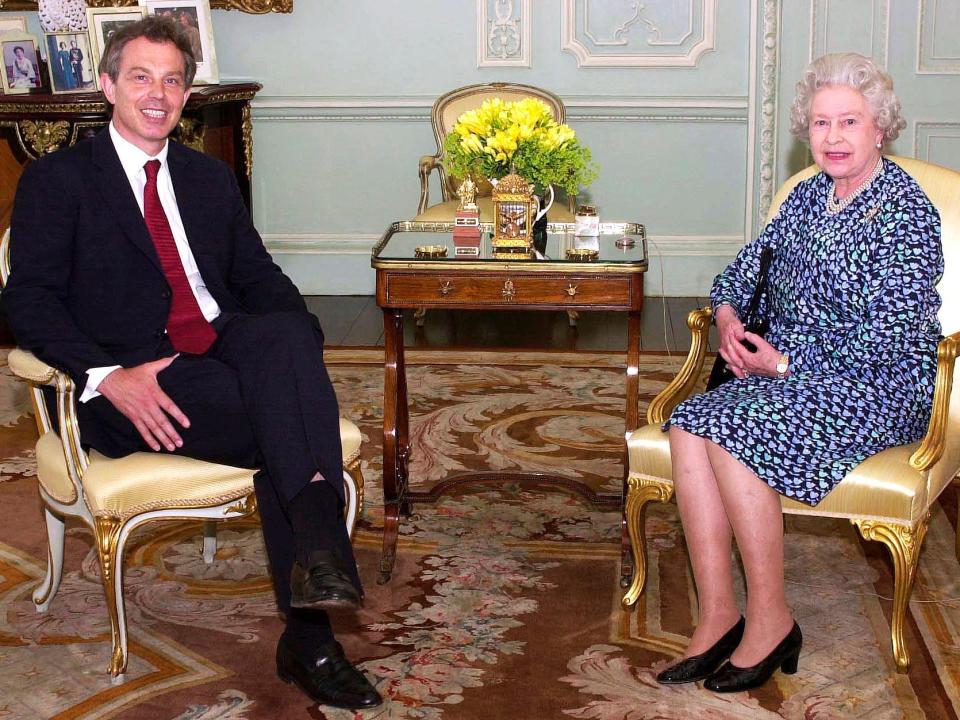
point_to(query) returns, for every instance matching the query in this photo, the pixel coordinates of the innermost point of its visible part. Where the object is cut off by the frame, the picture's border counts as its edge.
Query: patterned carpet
(504, 603)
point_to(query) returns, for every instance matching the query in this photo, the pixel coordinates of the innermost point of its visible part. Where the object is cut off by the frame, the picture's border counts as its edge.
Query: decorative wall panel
(628, 33)
(861, 26)
(503, 33)
(938, 42)
(937, 142)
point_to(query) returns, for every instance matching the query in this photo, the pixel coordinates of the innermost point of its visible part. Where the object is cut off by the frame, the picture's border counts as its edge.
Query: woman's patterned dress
(852, 298)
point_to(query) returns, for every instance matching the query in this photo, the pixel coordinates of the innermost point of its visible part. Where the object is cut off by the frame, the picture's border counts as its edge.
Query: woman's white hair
(853, 71)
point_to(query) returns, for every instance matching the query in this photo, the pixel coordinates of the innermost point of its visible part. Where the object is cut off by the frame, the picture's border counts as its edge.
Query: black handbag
(753, 321)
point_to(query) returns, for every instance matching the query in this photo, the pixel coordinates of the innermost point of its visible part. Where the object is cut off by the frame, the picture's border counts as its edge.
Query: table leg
(631, 422)
(395, 437)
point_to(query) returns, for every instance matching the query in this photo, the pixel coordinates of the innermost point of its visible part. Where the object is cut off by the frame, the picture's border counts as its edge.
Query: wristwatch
(783, 366)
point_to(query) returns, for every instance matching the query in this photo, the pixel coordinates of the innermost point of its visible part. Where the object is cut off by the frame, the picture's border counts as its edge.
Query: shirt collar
(133, 158)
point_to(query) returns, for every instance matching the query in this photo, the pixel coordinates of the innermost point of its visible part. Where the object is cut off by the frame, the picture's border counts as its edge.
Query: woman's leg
(708, 538)
(753, 510)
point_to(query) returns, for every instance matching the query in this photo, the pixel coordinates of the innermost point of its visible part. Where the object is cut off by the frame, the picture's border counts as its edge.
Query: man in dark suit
(136, 269)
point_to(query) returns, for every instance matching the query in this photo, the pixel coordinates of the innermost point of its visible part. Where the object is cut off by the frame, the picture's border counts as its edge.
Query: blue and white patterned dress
(852, 299)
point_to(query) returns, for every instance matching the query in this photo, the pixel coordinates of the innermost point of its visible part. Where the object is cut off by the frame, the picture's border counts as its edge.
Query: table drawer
(406, 289)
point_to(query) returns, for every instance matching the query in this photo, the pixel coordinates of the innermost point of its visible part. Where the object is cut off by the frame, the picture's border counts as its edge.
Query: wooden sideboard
(216, 120)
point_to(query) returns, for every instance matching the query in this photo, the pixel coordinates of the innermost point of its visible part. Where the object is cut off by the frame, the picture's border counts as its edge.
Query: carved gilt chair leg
(640, 492)
(46, 590)
(354, 470)
(209, 541)
(904, 545)
(107, 531)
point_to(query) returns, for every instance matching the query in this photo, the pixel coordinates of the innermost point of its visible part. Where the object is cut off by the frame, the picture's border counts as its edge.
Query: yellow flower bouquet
(521, 137)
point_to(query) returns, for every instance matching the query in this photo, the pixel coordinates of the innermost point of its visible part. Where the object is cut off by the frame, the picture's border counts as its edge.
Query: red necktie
(188, 329)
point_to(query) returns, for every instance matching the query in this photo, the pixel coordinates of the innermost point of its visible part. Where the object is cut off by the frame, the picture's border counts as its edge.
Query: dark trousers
(259, 398)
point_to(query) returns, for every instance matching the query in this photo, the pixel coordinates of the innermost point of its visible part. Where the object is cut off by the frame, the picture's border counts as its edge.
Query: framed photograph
(14, 23)
(193, 17)
(71, 62)
(103, 22)
(21, 63)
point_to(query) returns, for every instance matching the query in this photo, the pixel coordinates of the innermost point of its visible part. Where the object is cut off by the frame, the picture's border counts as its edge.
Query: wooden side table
(614, 281)
(216, 120)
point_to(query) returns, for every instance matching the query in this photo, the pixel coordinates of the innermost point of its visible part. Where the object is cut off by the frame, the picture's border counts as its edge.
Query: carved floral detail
(44, 136)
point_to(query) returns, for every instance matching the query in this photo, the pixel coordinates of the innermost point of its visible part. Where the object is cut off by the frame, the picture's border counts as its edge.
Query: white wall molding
(425, 102)
(931, 59)
(762, 117)
(503, 40)
(580, 36)
(878, 31)
(927, 131)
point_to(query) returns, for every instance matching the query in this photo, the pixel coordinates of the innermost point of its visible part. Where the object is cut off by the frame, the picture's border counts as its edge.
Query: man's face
(149, 93)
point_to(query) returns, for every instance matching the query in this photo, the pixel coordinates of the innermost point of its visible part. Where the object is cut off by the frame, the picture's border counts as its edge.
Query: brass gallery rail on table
(613, 281)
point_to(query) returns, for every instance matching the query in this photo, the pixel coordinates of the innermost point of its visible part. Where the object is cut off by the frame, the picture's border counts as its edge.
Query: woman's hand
(741, 361)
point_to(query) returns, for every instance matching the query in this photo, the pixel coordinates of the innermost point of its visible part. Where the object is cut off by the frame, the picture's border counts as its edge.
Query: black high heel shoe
(784, 656)
(698, 667)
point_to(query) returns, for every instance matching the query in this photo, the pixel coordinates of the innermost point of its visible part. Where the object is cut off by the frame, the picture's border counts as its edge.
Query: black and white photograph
(103, 22)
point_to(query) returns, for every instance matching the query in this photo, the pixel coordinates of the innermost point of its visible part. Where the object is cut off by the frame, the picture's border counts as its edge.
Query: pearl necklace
(835, 206)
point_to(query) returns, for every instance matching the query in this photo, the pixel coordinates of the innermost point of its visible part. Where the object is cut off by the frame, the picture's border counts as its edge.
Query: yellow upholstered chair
(115, 496)
(446, 110)
(888, 496)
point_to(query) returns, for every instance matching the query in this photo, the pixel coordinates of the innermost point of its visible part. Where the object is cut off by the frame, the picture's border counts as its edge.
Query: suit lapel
(189, 191)
(118, 195)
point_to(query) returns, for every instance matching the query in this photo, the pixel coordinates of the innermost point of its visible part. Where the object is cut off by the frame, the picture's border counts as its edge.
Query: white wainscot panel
(861, 26)
(938, 142)
(627, 33)
(503, 33)
(938, 42)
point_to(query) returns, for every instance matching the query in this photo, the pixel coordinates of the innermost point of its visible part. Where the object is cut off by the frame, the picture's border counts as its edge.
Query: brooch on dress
(871, 213)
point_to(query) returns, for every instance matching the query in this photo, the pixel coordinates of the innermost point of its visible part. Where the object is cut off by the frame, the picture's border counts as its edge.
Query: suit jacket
(86, 287)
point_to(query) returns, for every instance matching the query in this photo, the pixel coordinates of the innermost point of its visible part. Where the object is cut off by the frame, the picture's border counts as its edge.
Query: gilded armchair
(887, 497)
(115, 496)
(445, 112)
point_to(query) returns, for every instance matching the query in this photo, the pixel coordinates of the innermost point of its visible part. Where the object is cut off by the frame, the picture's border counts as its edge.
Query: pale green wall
(694, 153)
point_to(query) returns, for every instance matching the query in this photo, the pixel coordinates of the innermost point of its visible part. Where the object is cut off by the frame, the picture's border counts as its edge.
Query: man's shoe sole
(328, 604)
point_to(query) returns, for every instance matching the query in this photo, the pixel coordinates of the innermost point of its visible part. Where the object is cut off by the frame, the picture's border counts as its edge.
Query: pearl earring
(879, 145)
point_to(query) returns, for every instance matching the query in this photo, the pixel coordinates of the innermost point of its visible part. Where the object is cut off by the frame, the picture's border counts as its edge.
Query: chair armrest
(932, 447)
(428, 163)
(682, 385)
(27, 366)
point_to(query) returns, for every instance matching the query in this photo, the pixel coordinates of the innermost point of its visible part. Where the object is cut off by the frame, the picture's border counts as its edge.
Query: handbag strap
(753, 308)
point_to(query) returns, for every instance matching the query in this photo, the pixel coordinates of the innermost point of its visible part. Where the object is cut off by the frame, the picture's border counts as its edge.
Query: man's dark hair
(155, 29)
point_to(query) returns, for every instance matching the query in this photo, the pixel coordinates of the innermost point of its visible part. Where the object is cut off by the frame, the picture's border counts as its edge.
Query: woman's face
(843, 135)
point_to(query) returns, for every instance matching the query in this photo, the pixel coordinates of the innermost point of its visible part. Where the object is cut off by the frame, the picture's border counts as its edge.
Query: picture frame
(13, 23)
(71, 62)
(21, 63)
(194, 17)
(102, 22)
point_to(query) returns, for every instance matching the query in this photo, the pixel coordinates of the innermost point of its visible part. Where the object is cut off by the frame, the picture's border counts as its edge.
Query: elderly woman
(845, 370)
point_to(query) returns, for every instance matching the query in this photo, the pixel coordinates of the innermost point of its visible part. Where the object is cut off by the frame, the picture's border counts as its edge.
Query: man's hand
(136, 393)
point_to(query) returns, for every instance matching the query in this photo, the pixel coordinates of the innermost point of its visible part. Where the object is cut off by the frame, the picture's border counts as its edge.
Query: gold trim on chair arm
(27, 366)
(931, 449)
(682, 385)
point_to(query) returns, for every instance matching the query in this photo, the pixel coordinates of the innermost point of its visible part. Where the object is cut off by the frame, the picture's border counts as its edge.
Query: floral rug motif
(505, 599)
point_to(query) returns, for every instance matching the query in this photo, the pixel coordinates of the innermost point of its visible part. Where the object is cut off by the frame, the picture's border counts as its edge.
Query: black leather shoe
(698, 667)
(327, 677)
(324, 584)
(731, 678)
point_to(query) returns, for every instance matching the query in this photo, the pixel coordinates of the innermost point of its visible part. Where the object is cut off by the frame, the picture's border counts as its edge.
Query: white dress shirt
(133, 159)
